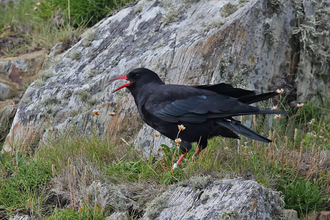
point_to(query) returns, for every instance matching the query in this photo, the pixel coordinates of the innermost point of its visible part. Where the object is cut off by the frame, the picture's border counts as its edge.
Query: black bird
(205, 111)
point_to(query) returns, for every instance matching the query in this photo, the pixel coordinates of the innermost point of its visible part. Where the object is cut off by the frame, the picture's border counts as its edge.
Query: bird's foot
(179, 161)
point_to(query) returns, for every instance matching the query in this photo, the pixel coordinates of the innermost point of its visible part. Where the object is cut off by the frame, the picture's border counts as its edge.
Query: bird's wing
(243, 95)
(188, 104)
(226, 89)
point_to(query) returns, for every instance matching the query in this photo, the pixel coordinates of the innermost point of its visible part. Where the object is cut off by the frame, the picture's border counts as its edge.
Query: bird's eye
(137, 75)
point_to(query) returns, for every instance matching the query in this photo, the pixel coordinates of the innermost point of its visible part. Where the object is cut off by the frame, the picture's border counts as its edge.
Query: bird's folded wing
(226, 89)
(197, 109)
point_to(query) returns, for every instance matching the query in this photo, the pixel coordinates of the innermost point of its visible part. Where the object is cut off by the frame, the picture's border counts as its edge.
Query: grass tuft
(156, 206)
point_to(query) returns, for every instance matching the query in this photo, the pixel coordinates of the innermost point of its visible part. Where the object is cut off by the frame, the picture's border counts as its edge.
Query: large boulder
(200, 197)
(259, 44)
(222, 199)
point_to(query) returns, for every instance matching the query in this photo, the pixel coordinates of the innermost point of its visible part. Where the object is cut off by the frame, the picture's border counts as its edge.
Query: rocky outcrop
(259, 44)
(200, 197)
(15, 74)
(222, 199)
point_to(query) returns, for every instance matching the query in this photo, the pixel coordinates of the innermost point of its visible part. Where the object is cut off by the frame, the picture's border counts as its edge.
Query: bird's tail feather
(266, 112)
(237, 127)
(248, 99)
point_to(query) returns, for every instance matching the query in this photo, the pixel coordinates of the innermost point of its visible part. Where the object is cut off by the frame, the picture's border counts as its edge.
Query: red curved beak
(122, 86)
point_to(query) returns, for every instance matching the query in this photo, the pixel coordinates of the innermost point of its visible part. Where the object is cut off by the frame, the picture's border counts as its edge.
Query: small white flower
(280, 91)
(299, 105)
(181, 127)
(277, 116)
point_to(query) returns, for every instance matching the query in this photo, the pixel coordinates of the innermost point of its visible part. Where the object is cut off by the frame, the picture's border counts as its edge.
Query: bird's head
(137, 78)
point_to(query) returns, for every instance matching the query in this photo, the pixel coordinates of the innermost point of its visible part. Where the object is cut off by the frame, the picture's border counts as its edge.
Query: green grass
(70, 164)
(20, 22)
(302, 195)
(23, 183)
(77, 12)
(33, 26)
(16, 16)
(84, 213)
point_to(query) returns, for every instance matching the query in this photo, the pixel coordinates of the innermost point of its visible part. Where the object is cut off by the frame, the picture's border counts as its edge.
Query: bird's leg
(179, 161)
(202, 144)
(196, 153)
(181, 157)
(184, 147)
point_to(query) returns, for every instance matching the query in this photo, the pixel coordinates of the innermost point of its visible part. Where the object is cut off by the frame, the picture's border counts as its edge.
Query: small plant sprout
(277, 116)
(177, 141)
(112, 114)
(299, 106)
(96, 112)
(181, 127)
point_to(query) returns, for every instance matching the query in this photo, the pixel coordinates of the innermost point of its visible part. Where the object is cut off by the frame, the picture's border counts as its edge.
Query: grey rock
(221, 199)
(16, 72)
(108, 196)
(20, 217)
(7, 112)
(186, 42)
(7, 91)
(200, 197)
(291, 214)
(117, 216)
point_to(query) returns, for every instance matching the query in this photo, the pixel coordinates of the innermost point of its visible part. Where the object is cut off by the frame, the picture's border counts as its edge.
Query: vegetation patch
(70, 164)
(215, 24)
(172, 13)
(90, 36)
(28, 25)
(228, 9)
(74, 55)
(157, 205)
